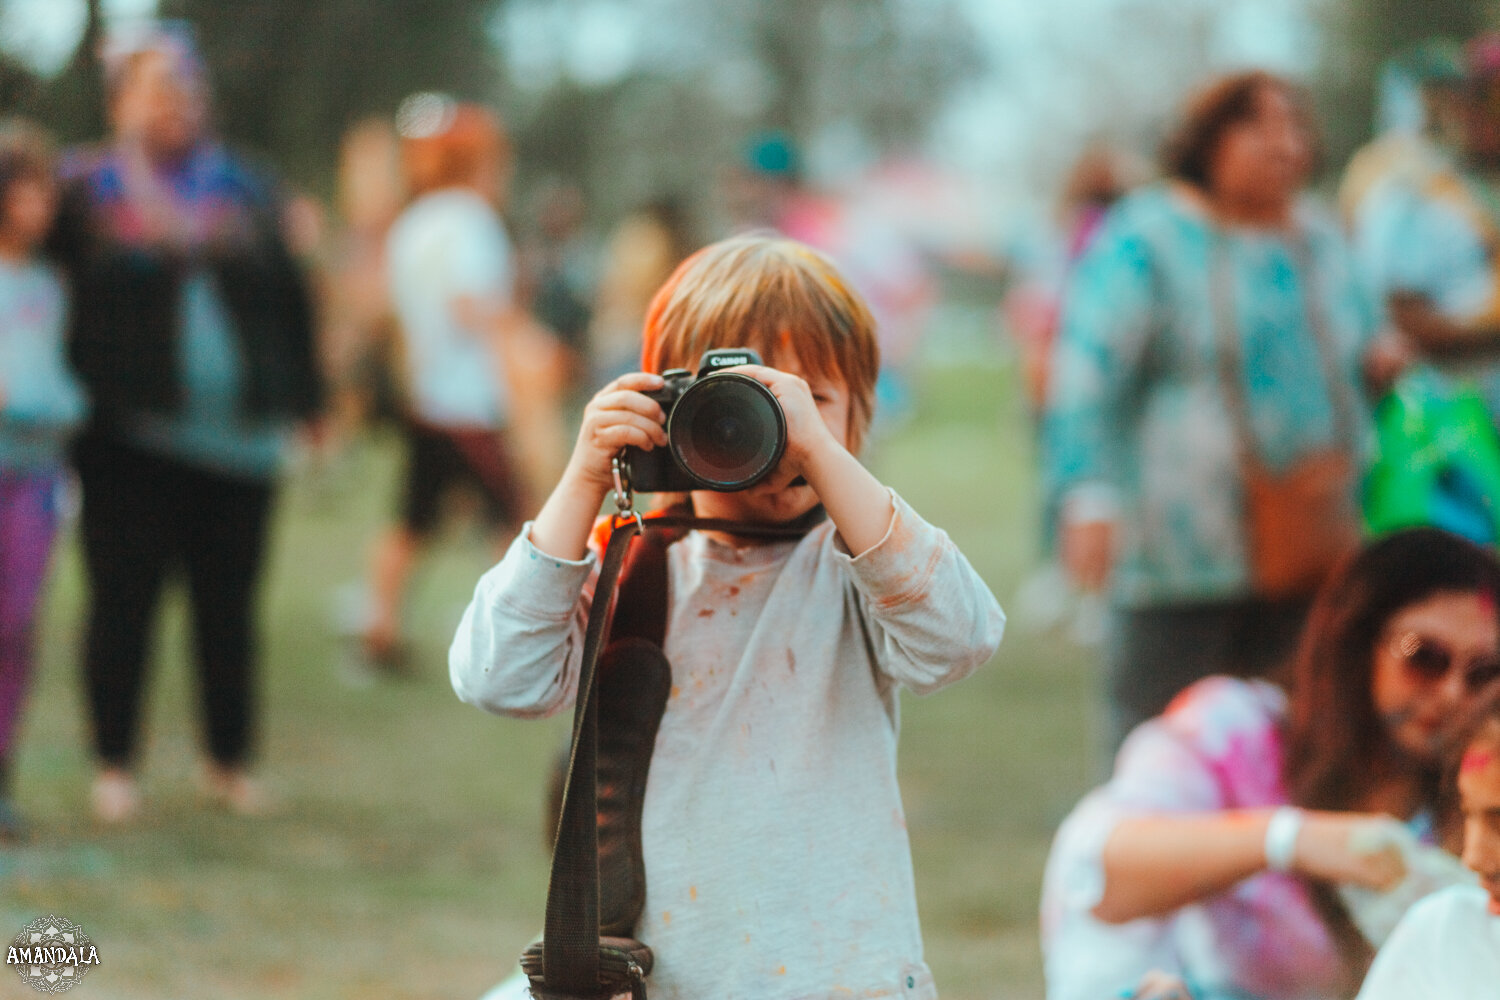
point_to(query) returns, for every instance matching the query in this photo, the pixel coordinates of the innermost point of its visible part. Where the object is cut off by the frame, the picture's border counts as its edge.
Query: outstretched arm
(1156, 864)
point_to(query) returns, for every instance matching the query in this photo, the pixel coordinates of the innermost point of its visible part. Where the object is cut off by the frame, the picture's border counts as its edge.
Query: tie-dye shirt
(1218, 747)
(1136, 405)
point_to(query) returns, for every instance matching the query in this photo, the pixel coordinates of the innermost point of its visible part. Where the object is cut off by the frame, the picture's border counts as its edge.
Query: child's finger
(779, 382)
(629, 401)
(652, 429)
(616, 436)
(762, 374)
(635, 381)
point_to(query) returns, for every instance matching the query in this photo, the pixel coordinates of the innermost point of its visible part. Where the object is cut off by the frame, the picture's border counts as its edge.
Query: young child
(1447, 947)
(775, 843)
(40, 403)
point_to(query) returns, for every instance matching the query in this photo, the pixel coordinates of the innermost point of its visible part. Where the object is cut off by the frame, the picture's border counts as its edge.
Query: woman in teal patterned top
(1143, 462)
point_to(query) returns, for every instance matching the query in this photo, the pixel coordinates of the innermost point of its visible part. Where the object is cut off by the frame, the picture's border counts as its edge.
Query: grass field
(407, 861)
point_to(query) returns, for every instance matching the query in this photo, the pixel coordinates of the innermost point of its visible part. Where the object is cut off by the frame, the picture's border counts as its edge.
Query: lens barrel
(727, 431)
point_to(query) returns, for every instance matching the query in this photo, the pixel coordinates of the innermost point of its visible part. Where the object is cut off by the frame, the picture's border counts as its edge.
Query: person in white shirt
(1448, 946)
(451, 275)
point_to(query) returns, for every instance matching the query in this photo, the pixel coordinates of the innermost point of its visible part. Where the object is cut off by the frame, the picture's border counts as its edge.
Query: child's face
(1479, 796)
(27, 211)
(774, 499)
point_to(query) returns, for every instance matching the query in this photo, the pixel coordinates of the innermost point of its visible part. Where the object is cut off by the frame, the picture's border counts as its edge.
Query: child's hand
(808, 437)
(618, 416)
(817, 437)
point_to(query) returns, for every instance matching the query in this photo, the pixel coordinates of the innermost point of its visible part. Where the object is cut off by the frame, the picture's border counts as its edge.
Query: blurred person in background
(41, 404)
(477, 369)
(1040, 263)
(557, 273)
(1099, 177)
(1213, 338)
(1259, 840)
(643, 250)
(358, 331)
(1428, 232)
(1428, 229)
(1420, 112)
(192, 331)
(1447, 947)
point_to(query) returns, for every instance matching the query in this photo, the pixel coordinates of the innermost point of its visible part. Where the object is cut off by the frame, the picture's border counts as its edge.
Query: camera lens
(727, 431)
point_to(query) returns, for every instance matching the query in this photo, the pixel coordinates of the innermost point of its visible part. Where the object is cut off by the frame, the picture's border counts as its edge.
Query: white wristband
(1281, 838)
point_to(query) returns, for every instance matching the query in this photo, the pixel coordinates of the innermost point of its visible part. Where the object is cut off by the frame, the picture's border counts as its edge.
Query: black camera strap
(587, 952)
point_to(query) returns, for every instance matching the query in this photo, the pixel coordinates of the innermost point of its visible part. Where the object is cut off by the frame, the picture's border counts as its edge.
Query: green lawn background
(408, 859)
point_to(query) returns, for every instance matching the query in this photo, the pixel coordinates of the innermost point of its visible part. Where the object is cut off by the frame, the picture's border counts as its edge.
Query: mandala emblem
(52, 955)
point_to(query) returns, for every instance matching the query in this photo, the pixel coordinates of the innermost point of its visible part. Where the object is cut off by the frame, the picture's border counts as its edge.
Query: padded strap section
(641, 599)
(634, 683)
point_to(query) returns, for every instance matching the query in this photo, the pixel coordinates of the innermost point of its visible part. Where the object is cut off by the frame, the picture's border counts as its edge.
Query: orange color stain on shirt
(692, 892)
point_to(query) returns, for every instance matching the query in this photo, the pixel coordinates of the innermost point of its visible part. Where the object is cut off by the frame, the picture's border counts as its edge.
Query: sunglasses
(1431, 659)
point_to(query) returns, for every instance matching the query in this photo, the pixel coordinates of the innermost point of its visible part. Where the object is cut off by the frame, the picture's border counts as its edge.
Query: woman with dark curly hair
(1211, 361)
(1256, 838)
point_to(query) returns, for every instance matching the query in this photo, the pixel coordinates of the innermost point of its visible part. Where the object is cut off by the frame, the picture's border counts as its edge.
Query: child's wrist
(822, 457)
(583, 489)
(580, 476)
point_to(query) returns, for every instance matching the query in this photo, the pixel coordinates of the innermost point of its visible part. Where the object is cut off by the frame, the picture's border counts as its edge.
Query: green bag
(1438, 463)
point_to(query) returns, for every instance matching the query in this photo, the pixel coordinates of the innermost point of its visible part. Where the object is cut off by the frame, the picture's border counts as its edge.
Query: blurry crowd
(1234, 389)
(1268, 436)
(180, 322)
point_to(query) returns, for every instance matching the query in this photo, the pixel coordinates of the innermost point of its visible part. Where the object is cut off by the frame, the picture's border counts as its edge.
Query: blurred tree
(850, 79)
(291, 75)
(70, 103)
(1362, 35)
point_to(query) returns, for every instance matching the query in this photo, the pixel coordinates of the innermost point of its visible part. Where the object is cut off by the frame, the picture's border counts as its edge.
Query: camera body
(725, 431)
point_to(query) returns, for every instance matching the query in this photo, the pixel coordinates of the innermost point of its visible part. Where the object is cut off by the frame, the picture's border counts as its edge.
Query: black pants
(146, 517)
(1155, 652)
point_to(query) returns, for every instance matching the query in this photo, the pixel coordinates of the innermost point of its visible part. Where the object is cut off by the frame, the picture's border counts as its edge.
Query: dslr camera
(725, 431)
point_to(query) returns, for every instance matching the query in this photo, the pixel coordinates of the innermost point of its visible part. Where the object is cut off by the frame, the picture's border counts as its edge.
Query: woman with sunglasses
(1241, 824)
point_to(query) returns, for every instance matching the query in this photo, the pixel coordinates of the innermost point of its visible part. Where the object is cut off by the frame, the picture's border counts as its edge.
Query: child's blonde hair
(775, 295)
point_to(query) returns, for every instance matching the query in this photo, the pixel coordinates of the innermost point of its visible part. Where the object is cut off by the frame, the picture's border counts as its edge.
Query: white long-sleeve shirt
(777, 861)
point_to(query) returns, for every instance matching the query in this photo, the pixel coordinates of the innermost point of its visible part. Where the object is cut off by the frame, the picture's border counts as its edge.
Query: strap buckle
(624, 498)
